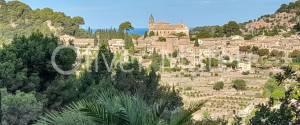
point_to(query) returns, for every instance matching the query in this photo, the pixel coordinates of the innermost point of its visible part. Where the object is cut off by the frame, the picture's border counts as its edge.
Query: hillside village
(232, 71)
(250, 60)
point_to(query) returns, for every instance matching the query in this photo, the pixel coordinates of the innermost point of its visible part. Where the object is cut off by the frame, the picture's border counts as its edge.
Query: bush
(295, 54)
(263, 52)
(272, 89)
(218, 85)
(162, 39)
(20, 108)
(246, 73)
(239, 84)
(188, 88)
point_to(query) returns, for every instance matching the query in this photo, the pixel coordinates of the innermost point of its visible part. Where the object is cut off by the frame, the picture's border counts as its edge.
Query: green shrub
(218, 85)
(246, 73)
(239, 84)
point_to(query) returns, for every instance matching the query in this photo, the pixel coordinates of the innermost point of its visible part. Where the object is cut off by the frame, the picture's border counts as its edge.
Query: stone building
(116, 45)
(77, 42)
(163, 29)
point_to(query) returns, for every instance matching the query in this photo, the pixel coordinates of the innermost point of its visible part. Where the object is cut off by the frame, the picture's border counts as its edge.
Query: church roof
(167, 26)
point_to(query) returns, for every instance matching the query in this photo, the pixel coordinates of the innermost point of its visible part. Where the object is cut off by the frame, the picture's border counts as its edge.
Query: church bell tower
(151, 19)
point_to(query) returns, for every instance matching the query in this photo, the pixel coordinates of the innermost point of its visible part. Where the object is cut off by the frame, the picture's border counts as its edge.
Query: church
(163, 29)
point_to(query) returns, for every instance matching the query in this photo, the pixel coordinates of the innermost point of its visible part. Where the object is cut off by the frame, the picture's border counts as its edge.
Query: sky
(110, 13)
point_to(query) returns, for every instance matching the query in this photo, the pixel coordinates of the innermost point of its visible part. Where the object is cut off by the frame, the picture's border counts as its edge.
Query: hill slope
(282, 22)
(18, 18)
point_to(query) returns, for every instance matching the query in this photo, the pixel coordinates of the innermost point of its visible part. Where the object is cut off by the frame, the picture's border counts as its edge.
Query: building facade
(163, 29)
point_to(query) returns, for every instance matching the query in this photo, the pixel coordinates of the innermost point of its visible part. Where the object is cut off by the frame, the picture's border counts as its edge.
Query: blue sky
(110, 13)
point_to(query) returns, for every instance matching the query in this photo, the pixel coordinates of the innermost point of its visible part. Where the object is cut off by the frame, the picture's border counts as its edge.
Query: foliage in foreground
(114, 108)
(287, 111)
(20, 108)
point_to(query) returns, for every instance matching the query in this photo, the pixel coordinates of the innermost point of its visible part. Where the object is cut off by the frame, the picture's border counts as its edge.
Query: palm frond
(184, 117)
(69, 116)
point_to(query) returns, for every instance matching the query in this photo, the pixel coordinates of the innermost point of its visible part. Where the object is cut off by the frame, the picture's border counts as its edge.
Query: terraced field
(220, 104)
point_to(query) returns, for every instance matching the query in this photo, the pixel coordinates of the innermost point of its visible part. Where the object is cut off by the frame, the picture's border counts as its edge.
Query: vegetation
(32, 92)
(103, 35)
(233, 64)
(288, 112)
(289, 7)
(20, 108)
(162, 39)
(111, 108)
(218, 85)
(27, 63)
(263, 52)
(18, 18)
(125, 26)
(210, 121)
(211, 63)
(294, 54)
(33, 86)
(232, 28)
(245, 49)
(273, 90)
(180, 35)
(184, 61)
(151, 34)
(175, 54)
(156, 61)
(196, 44)
(277, 53)
(239, 84)
(229, 29)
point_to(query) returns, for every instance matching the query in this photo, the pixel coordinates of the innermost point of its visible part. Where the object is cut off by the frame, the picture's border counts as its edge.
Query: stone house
(78, 42)
(116, 45)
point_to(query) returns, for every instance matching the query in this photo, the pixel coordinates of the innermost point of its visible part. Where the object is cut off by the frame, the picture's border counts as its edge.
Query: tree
(295, 54)
(145, 34)
(131, 82)
(184, 61)
(287, 113)
(180, 35)
(101, 67)
(239, 84)
(254, 49)
(162, 39)
(245, 49)
(126, 26)
(196, 44)
(263, 52)
(62, 91)
(175, 54)
(156, 61)
(232, 28)
(210, 63)
(218, 85)
(129, 45)
(19, 109)
(151, 34)
(227, 58)
(27, 63)
(166, 62)
(297, 27)
(234, 64)
(273, 90)
(78, 20)
(287, 74)
(267, 116)
(277, 53)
